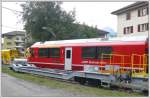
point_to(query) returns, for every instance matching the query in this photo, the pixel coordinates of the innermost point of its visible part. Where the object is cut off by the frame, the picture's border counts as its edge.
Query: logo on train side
(92, 62)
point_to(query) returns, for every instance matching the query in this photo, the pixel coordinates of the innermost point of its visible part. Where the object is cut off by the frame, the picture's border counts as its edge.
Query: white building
(133, 19)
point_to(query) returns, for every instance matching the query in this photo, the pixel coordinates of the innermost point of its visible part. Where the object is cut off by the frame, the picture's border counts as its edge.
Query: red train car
(76, 54)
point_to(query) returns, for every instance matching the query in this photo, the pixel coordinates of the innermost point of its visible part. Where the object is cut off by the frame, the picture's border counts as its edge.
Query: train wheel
(145, 92)
(82, 81)
(94, 82)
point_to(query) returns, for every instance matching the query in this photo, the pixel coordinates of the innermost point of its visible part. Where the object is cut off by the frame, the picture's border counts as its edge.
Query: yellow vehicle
(27, 53)
(8, 55)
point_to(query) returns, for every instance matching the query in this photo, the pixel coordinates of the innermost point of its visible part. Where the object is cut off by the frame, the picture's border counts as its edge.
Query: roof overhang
(130, 7)
(13, 33)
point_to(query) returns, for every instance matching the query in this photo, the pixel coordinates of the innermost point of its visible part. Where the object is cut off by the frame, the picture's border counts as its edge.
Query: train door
(68, 58)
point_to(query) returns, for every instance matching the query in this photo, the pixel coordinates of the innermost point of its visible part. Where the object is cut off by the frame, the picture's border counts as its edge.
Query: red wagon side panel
(78, 63)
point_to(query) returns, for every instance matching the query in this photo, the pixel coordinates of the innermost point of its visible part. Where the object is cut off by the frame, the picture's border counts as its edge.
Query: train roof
(91, 41)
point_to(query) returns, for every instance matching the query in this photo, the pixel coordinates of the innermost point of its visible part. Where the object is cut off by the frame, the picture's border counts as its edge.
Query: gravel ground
(13, 87)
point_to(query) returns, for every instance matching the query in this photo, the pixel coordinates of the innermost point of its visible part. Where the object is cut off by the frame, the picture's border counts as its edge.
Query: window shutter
(147, 10)
(128, 16)
(138, 28)
(124, 31)
(131, 29)
(138, 13)
(147, 26)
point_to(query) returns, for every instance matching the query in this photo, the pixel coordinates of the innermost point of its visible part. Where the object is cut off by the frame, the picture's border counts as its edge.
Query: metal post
(110, 66)
(101, 58)
(140, 63)
(123, 61)
(143, 64)
(146, 61)
(132, 57)
(110, 59)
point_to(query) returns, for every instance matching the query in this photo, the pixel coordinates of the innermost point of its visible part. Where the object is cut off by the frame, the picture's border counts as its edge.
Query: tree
(47, 21)
(40, 15)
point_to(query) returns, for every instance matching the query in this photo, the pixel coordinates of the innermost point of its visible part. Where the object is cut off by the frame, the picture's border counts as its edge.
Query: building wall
(13, 40)
(2, 46)
(9, 40)
(134, 21)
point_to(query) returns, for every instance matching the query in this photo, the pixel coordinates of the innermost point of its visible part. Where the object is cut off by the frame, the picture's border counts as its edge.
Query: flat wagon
(116, 61)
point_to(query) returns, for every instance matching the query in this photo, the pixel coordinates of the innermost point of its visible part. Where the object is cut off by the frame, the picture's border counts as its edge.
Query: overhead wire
(14, 11)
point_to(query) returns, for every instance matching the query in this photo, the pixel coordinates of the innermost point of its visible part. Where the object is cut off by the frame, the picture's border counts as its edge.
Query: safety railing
(116, 59)
(137, 64)
(145, 62)
(140, 62)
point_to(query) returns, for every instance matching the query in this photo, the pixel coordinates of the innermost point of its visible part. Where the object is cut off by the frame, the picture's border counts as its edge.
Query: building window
(9, 37)
(8, 43)
(89, 52)
(23, 39)
(43, 52)
(128, 30)
(143, 11)
(17, 38)
(22, 49)
(143, 27)
(128, 16)
(17, 44)
(55, 52)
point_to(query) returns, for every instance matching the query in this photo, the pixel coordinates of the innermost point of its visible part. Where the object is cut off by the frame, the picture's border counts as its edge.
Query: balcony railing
(19, 46)
(19, 41)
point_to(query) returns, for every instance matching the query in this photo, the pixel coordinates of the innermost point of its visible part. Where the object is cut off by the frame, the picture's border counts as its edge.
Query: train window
(104, 52)
(68, 54)
(55, 52)
(43, 52)
(146, 51)
(88, 52)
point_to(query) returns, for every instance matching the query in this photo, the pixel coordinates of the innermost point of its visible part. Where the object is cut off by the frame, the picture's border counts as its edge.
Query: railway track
(81, 78)
(112, 87)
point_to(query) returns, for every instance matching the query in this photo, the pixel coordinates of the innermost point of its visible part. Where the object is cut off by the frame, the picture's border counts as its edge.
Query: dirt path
(19, 88)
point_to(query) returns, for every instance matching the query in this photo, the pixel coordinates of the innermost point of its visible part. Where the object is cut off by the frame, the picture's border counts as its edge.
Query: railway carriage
(127, 53)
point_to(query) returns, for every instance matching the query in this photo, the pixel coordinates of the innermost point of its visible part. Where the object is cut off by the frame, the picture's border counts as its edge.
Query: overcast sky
(92, 13)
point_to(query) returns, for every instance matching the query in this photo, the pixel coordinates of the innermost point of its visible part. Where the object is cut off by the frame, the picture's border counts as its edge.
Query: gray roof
(12, 33)
(102, 32)
(130, 7)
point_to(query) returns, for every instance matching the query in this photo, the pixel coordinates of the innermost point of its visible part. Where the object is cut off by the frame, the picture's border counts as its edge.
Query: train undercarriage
(139, 84)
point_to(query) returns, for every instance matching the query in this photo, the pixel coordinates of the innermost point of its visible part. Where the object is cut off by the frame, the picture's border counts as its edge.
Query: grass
(67, 86)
